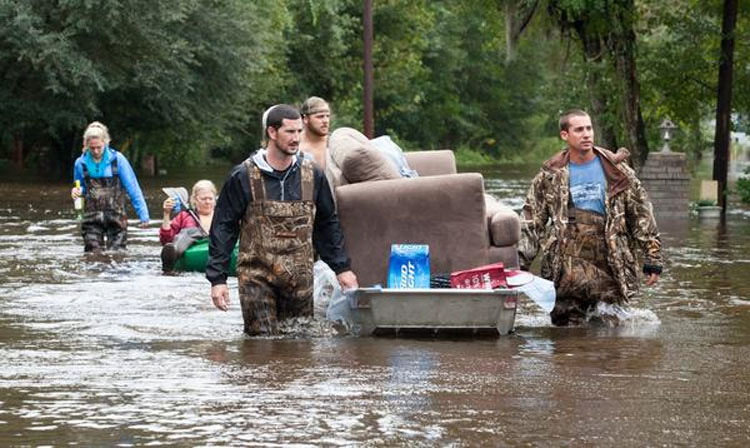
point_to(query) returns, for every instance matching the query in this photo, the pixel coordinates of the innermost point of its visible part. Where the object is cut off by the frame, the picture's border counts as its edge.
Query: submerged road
(105, 351)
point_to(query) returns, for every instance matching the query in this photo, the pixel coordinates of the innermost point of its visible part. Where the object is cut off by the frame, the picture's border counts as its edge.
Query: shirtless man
(316, 116)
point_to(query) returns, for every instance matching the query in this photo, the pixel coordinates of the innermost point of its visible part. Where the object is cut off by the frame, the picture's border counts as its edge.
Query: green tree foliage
(178, 78)
(176, 71)
(324, 52)
(675, 49)
(440, 74)
(475, 96)
(605, 30)
(325, 57)
(679, 54)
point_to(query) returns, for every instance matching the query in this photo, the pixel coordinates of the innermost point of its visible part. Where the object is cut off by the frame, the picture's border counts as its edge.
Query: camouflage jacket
(630, 223)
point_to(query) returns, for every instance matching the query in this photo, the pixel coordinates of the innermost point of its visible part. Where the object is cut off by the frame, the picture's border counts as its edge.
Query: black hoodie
(328, 239)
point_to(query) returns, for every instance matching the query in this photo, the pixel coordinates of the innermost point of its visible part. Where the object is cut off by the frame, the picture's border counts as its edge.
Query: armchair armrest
(446, 212)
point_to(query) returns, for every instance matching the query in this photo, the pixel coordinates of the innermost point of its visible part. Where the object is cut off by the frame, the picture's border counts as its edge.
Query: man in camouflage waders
(105, 176)
(586, 212)
(282, 209)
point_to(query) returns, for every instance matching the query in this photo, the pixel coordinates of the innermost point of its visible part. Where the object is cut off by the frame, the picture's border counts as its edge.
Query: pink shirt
(183, 220)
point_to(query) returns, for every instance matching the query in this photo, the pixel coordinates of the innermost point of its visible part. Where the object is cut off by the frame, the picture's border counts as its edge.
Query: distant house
(741, 138)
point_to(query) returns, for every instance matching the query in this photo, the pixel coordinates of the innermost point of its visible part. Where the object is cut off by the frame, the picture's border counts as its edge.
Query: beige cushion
(358, 161)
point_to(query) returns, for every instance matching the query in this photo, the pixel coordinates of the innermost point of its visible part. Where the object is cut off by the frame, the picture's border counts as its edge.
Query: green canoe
(196, 256)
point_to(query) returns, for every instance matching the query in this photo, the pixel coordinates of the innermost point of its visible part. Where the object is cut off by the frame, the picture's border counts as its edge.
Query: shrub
(470, 157)
(705, 203)
(743, 187)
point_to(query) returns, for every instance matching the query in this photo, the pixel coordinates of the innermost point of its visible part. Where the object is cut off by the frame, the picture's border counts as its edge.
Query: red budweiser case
(490, 276)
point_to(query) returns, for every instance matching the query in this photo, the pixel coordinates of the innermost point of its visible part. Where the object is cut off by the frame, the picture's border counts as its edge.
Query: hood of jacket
(259, 159)
(612, 163)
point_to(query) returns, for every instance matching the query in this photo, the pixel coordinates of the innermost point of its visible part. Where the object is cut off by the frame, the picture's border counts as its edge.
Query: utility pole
(724, 101)
(369, 124)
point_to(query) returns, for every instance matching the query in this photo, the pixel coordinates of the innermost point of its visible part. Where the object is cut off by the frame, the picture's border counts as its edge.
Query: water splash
(617, 315)
(306, 327)
(604, 315)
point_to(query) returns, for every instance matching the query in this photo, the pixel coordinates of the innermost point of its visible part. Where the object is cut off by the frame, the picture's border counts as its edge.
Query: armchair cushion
(357, 159)
(432, 163)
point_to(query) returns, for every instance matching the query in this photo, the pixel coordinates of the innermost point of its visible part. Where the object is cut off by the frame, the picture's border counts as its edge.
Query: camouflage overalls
(275, 261)
(586, 277)
(104, 212)
(594, 258)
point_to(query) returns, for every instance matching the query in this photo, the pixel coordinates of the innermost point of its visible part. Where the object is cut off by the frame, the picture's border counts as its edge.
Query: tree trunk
(18, 155)
(66, 148)
(622, 45)
(724, 100)
(510, 9)
(593, 52)
(517, 17)
(607, 135)
(132, 150)
(641, 133)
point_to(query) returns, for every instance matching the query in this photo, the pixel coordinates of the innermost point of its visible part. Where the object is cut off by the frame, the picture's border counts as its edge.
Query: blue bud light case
(409, 266)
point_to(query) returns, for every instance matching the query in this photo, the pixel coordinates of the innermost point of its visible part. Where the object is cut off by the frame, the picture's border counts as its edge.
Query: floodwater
(105, 351)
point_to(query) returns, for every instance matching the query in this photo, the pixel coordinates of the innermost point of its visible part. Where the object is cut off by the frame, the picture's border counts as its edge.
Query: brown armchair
(450, 212)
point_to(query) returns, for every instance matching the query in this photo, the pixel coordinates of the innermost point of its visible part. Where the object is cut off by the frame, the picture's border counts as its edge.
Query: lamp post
(665, 177)
(666, 128)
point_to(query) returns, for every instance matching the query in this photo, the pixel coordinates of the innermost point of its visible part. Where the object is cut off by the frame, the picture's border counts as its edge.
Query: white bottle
(78, 202)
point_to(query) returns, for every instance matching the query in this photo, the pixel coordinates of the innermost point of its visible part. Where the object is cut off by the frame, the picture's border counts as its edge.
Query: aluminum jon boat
(381, 311)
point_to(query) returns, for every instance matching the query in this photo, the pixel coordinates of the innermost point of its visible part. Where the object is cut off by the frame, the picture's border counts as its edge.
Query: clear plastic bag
(325, 284)
(329, 299)
(340, 313)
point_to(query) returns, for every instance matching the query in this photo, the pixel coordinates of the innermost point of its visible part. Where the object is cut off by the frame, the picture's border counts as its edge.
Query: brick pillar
(667, 182)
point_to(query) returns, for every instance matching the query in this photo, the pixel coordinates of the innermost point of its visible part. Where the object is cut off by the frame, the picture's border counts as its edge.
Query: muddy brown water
(105, 351)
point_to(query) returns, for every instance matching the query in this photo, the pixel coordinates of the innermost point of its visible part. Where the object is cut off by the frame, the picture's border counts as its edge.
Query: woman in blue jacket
(105, 176)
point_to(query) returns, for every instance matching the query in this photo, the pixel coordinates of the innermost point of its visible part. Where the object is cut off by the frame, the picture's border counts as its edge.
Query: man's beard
(290, 150)
(317, 131)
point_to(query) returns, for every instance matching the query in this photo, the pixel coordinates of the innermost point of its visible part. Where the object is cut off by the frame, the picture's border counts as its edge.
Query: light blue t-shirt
(588, 185)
